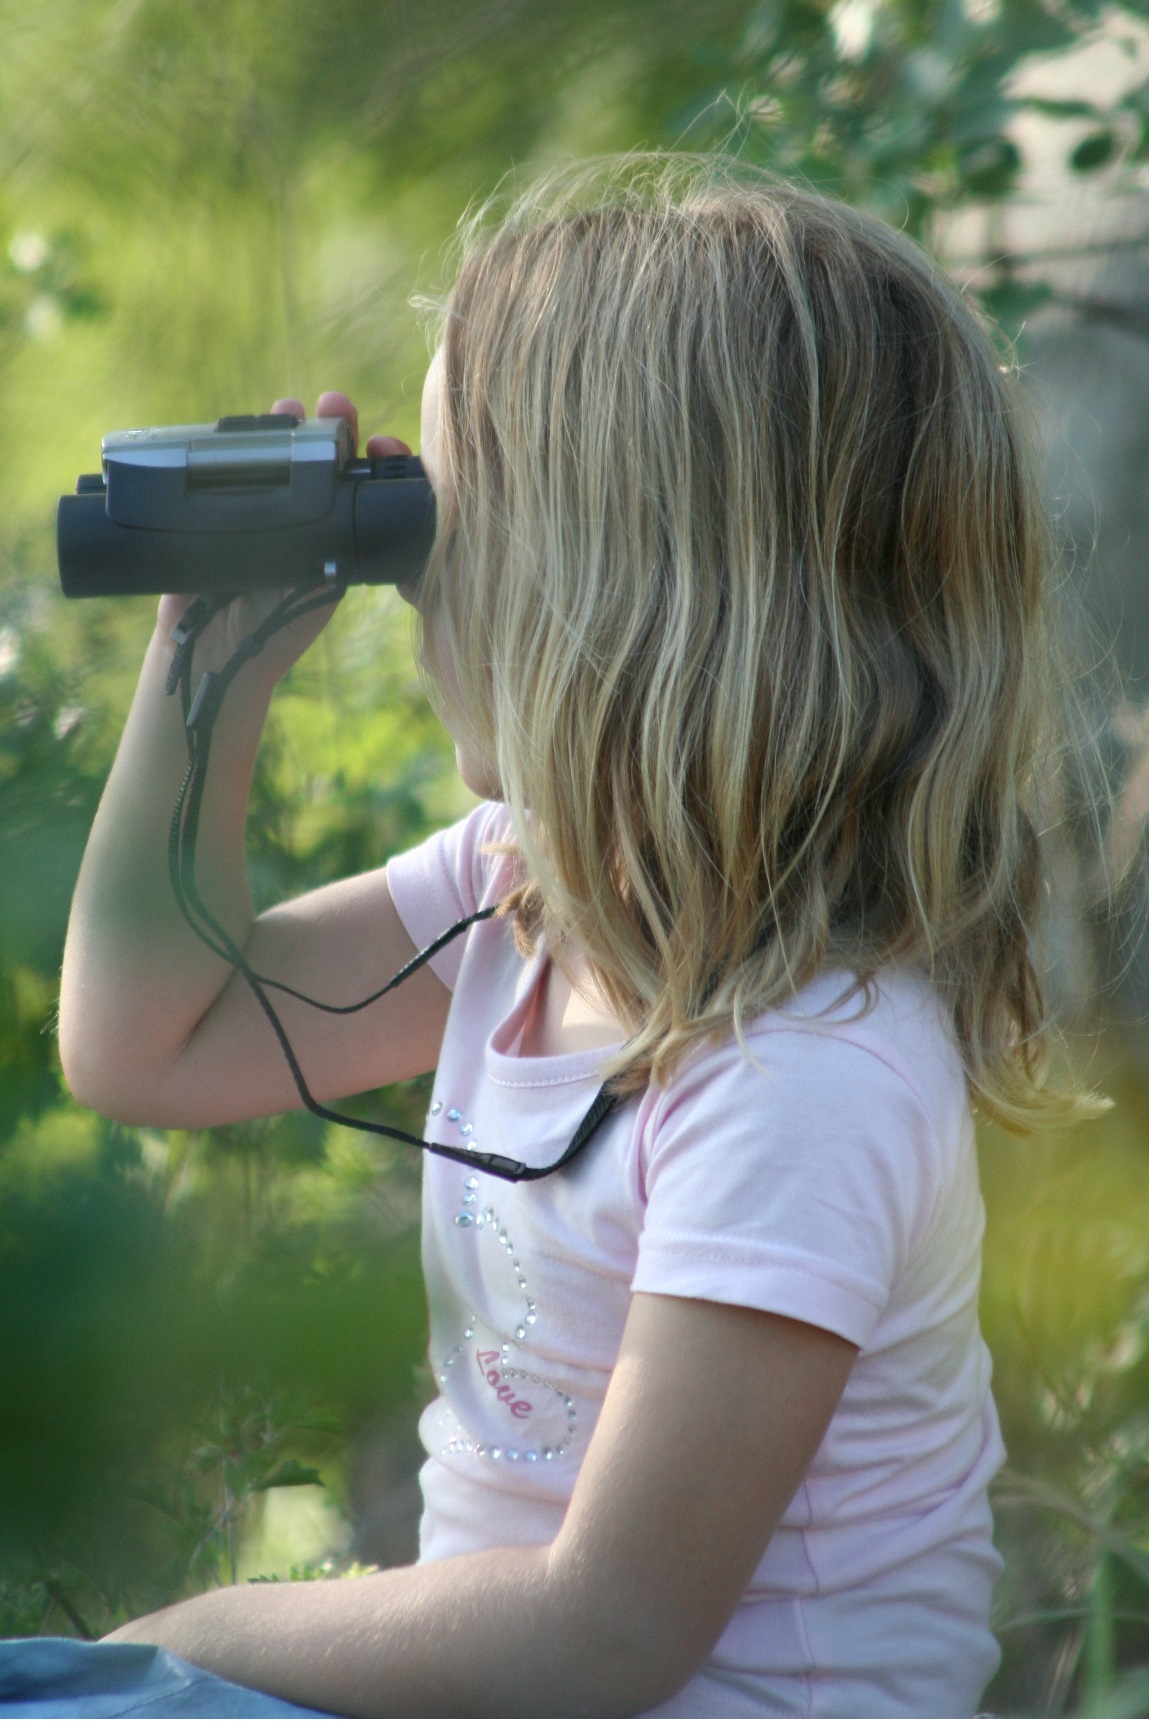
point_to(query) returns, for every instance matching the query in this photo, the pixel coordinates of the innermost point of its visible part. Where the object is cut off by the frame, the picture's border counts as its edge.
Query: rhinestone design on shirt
(455, 1116)
(500, 1368)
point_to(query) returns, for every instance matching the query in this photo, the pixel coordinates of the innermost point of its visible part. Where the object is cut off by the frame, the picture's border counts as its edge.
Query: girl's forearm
(136, 979)
(499, 1633)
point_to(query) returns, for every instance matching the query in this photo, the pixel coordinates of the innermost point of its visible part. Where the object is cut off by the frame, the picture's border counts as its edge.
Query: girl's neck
(567, 1013)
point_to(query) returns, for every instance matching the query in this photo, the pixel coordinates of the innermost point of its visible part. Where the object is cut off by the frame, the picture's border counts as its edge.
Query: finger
(290, 405)
(379, 446)
(334, 404)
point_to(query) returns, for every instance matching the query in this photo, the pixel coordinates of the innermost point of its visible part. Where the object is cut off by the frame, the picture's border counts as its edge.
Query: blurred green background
(211, 1344)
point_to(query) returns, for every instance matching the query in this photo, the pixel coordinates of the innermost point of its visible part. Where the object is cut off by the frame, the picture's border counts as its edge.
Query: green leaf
(1058, 110)
(1128, 1694)
(291, 1474)
(1010, 301)
(989, 168)
(1093, 152)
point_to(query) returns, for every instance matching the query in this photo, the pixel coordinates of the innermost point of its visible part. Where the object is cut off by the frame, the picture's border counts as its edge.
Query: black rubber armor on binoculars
(252, 502)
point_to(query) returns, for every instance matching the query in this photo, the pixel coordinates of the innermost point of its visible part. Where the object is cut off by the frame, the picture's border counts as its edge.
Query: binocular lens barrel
(378, 530)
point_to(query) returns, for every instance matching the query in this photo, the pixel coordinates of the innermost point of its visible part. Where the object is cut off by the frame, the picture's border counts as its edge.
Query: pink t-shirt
(830, 1177)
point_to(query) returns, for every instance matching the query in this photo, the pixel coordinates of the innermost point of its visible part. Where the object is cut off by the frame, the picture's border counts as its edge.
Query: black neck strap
(200, 714)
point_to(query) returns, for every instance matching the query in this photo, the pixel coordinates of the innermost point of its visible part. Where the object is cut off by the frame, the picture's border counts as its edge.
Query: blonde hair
(741, 585)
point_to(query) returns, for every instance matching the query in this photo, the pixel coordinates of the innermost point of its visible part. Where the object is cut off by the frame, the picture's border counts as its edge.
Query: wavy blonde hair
(741, 585)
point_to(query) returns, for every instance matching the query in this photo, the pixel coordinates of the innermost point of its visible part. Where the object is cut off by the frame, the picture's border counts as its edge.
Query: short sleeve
(448, 877)
(799, 1183)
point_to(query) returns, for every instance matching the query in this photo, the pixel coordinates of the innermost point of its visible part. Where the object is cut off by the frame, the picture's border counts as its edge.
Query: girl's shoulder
(897, 1020)
(837, 1040)
(467, 863)
(824, 1147)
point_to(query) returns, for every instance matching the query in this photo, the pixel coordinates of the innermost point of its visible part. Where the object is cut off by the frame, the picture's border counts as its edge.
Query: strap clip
(204, 693)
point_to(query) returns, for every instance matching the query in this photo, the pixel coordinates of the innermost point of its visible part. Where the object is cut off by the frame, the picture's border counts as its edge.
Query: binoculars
(254, 501)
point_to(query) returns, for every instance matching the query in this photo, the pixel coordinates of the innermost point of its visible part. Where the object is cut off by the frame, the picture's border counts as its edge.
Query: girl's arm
(155, 1028)
(711, 1420)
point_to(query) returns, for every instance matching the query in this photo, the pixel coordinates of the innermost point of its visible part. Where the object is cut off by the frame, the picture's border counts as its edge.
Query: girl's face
(477, 772)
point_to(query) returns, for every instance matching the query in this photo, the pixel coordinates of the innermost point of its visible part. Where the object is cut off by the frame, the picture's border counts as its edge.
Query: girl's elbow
(640, 1672)
(631, 1651)
(89, 1086)
(85, 1079)
(102, 1080)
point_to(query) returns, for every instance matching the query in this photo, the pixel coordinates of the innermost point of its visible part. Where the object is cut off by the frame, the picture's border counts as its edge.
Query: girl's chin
(478, 776)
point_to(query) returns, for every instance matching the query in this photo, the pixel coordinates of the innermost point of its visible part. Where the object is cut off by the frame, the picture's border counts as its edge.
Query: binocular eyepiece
(252, 502)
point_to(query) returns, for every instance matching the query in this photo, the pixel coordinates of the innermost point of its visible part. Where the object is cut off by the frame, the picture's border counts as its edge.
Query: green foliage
(163, 1365)
(188, 1321)
(904, 107)
(1066, 1311)
(1093, 152)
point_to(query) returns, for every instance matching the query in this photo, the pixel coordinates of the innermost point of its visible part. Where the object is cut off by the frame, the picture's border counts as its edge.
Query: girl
(737, 616)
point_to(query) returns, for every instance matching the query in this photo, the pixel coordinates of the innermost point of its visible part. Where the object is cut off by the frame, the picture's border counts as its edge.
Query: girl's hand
(219, 640)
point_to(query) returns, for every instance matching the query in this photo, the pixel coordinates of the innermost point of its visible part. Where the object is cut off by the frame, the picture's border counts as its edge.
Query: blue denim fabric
(58, 1676)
